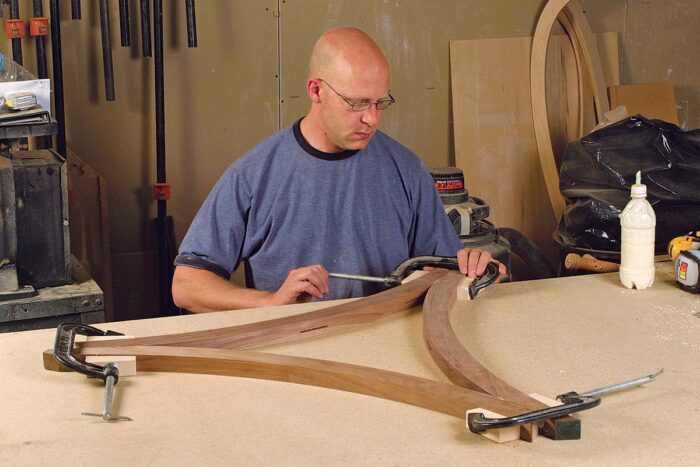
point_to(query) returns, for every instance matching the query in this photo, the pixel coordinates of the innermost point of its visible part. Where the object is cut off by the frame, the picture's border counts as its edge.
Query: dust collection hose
(529, 252)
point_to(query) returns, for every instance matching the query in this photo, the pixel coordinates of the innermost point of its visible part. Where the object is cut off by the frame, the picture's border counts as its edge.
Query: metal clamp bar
(615, 387)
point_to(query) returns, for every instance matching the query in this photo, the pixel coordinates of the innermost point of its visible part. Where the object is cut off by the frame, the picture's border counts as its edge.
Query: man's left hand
(472, 262)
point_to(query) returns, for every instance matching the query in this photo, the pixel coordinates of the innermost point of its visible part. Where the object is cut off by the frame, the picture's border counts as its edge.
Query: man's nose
(371, 116)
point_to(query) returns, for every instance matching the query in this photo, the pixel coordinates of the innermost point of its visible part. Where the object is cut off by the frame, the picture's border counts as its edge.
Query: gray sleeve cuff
(199, 263)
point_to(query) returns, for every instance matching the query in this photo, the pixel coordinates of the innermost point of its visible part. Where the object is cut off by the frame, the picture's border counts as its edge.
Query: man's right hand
(302, 285)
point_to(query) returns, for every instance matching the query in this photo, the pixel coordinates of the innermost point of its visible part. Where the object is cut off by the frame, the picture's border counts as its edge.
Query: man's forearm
(202, 291)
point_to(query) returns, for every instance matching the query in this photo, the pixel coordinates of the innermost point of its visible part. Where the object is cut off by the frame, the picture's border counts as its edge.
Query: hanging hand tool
(124, 23)
(107, 50)
(57, 57)
(39, 29)
(575, 262)
(14, 27)
(63, 352)
(75, 9)
(167, 247)
(191, 24)
(572, 402)
(402, 271)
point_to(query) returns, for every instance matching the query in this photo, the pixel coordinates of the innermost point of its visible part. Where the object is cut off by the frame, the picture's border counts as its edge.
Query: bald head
(347, 53)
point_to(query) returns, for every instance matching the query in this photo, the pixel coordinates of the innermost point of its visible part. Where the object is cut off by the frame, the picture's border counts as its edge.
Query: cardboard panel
(654, 100)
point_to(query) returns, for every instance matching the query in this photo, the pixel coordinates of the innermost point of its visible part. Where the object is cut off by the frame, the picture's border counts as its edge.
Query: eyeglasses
(363, 104)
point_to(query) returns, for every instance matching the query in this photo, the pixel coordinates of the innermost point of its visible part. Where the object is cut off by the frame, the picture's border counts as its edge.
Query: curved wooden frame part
(315, 323)
(440, 397)
(459, 365)
(583, 34)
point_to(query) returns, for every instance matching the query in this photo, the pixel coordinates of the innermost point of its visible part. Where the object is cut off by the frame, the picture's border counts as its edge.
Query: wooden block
(414, 275)
(655, 100)
(500, 435)
(548, 401)
(126, 364)
(463, 289)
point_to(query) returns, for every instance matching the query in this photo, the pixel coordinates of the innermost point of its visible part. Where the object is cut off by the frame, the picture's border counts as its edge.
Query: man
(330, 193)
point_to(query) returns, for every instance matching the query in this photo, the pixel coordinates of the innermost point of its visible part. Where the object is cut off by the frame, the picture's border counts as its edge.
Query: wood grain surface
(538, 86)
(441, 397)
(457, 363)
(316, 323)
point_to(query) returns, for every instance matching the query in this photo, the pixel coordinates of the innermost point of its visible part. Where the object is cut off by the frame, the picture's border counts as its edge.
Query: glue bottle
(638, 223)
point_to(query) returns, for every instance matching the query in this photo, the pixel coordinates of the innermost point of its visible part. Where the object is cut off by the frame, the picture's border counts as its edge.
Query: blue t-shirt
(286, 205)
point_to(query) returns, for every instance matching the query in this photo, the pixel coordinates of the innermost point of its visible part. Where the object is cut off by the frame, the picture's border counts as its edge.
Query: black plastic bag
(598, 170)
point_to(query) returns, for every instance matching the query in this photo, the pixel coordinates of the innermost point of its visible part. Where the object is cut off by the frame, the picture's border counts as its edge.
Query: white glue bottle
(638, 223)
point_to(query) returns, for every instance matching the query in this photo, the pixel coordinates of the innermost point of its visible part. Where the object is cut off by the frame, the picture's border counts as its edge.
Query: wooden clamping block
(463, 289)
(414, 275)
(126, 364)
(548, 401)
(499, 435)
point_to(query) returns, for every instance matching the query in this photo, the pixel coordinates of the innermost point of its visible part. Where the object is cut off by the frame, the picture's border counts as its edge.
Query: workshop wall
(662, 43)
(244, 81)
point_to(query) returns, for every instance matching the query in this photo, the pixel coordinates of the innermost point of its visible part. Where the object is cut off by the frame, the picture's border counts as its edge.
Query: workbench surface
(548, 336)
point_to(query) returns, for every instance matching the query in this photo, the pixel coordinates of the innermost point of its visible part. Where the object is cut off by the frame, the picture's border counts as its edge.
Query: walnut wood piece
(432, 395)
(316, 323)
(457, 363)
(582, 32)
(588, 262)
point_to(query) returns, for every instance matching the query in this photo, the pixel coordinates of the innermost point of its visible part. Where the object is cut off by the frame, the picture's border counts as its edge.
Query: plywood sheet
(494, 134)
(493, 128)
(89, 224)
(653, 100)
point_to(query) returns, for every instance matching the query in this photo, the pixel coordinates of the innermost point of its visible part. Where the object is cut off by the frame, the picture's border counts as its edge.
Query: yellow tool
(683, 243)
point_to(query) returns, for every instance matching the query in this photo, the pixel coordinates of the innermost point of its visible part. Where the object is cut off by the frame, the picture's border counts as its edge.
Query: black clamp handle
(63, 351)
(446, 262)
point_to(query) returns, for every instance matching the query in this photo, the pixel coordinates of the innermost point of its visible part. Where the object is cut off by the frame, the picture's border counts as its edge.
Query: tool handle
(574, 262)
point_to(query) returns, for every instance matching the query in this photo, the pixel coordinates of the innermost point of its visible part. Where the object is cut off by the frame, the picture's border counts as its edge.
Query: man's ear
(313, 87)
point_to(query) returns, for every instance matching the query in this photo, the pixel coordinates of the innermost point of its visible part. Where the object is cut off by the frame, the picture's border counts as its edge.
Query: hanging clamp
(14, 28)
(161, 191)
(39, 26)
(63, 352)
